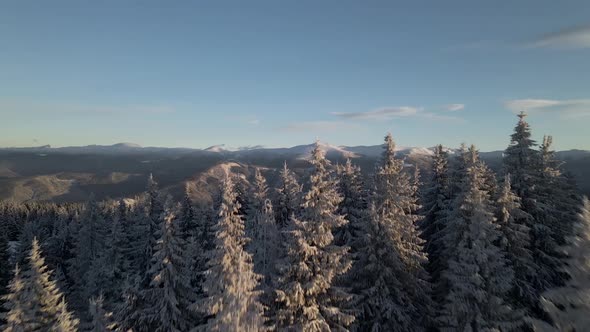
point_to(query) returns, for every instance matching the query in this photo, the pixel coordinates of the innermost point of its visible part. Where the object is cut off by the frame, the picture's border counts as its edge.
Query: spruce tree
(288, 197)
(18, 317)
(165, 301)
(379, 279)
(533, 174)
(476, 276)
(90, 244)
(353, 205)
(264, 233)
(35, 302)
(458, 170)
(436, 208)
(193, 232)
(60, 246)
(559, 191)
(521, 159)
(155, 210)
(111, 268)
(307, 297)
(5, 274)
(394, 199)
(515, 242)
(186, 216)
(568, 306)
(256, 197)
(138, 238)
(230, 281)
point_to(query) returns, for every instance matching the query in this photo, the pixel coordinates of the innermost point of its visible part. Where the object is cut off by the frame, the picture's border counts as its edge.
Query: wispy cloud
(571, 38)
(569, 108)
(254, 122)
(454, 107)
(386, 113)
(380, 114)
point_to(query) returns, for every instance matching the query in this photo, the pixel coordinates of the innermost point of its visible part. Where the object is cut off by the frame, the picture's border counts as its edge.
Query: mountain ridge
(347, 151)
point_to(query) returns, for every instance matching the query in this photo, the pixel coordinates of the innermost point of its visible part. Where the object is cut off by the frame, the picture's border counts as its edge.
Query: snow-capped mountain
(299, 151)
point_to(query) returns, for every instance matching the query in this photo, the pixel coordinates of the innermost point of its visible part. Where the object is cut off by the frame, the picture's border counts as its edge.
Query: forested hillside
(444, 244)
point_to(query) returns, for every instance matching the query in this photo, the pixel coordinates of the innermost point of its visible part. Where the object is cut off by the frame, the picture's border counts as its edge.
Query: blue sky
(282, 73)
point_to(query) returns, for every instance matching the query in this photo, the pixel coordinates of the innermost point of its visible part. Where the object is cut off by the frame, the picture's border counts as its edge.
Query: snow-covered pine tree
(186, 216)
(138, 236)
(29, 231)
(288, 197)
(230, 281)
(90, 244)
(568, 306)
(165, 301)
(155, 210)
(59, 247)
(353, 205)
(193, 232)
(35, 302)
(122, 239)
(477, 276)
(18, 317)
(521, 159)
(394, 199)
(263, 231)
(515, 242)
(112, 266)
(559, 191)
(5, 274)
(379, 279)
(436, 207)
(458, 170)
(256, 196)
(307, 297)
(531, 181)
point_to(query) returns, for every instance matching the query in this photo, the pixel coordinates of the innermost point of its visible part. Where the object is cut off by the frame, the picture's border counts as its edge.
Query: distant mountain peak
(126, 145)
(217, 148)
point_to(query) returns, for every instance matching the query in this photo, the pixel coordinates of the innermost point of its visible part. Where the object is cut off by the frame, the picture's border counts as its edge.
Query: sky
(284, 73)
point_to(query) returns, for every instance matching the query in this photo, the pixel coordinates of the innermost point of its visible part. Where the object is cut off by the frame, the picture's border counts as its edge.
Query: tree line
(463, 249)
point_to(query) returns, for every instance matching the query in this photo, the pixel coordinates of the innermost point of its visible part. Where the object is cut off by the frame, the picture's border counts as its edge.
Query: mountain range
(71, 173)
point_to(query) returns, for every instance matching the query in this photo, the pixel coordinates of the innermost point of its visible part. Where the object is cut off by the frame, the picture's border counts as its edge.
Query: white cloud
(567, 107)
(454, 107)
(380, 114)
(254, 122)
(571, 38)
(387, 113)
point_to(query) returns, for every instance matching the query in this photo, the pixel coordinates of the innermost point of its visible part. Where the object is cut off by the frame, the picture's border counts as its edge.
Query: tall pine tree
(436, 209)
(230, 281)
(515, 242)
(164, 303)
(288, 197)
(568, 306)
(307, 297)
(35, 302)
(476, 276)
